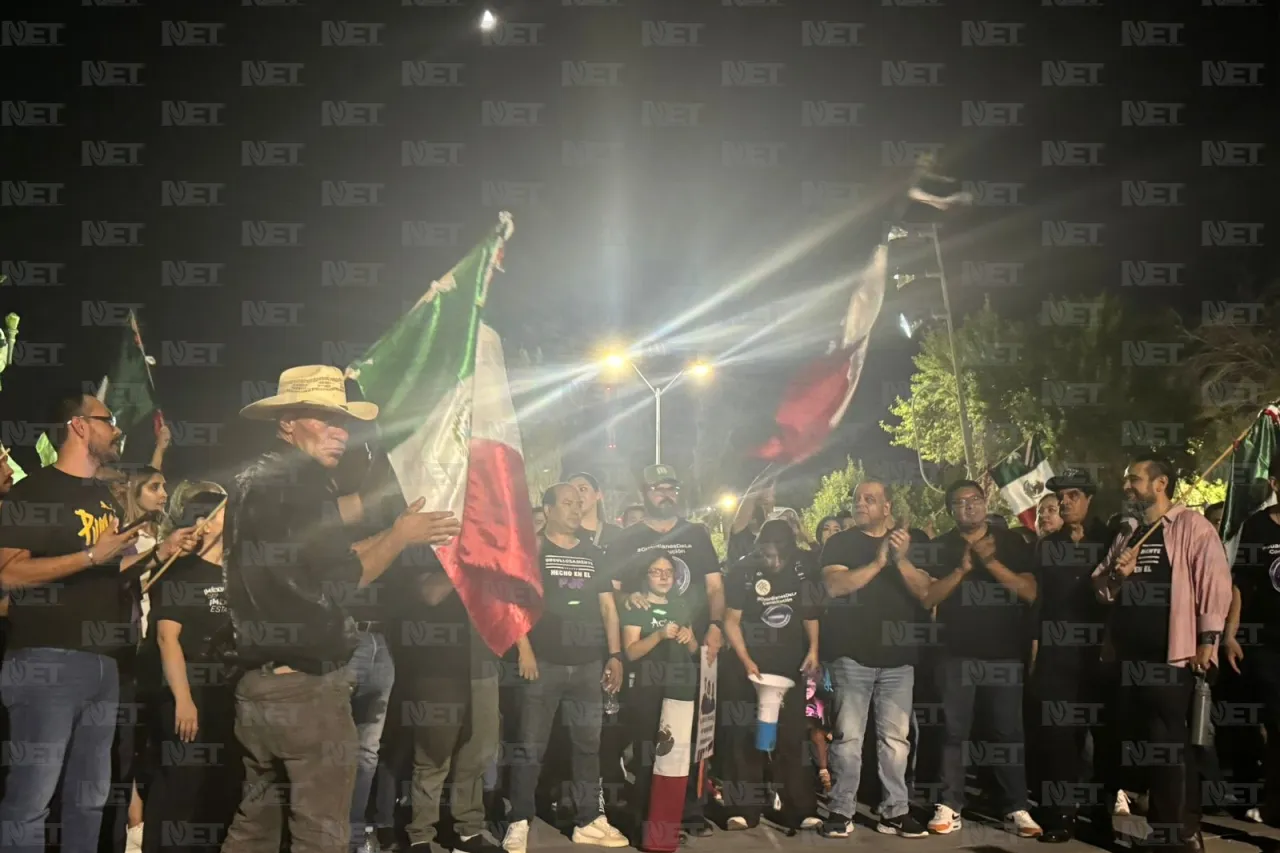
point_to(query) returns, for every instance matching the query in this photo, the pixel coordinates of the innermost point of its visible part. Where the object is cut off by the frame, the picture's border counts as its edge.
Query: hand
(966, 560)
(611, 680)
(1235, 653)
(426, 528)
(163, 437)
(684, 636)
(900, 542)
(882, 553)
(752, 668)
(1204, 658)
(670, 631)
(528, 666)
(636, 601)
(181, 541)
(185, 720)
(811, 665)
(112, 543)
(715, 642)
(984, 549)
(1127, 562)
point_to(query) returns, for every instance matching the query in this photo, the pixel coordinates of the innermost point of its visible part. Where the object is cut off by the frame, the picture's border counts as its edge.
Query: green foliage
(717, 539)
(833, 493)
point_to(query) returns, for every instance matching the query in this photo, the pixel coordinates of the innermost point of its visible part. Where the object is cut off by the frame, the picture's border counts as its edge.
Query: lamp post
(698, 369)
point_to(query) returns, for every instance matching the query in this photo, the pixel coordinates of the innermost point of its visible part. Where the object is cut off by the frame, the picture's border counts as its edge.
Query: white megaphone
(769, 693)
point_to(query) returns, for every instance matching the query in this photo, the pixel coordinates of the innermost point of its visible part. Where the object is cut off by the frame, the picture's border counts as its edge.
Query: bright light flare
(728, 502)
(615, 361)
(488, 21)
(700, 370)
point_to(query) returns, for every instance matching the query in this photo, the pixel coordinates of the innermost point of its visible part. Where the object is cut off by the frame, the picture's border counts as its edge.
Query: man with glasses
(698, 581)
(70, 614)
(984, 580)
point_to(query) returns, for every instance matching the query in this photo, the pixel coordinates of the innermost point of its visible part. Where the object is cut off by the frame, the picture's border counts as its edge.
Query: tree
(1099, 381)
(833, 493)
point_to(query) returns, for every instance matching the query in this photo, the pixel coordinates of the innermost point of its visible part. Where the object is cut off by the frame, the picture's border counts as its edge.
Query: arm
(1022, 583)
(1019, 578)
(942, 588)
(917, 581)
(435, 588)
(1105, 584)
(18, 568)
(1235, 653)
(186, 718)
(609, 614)
(526, 660)
(377, 553)
(163, 438)
(636, 647)
(841, 580)
(733, 630)
(811, 660)
(1211, 585)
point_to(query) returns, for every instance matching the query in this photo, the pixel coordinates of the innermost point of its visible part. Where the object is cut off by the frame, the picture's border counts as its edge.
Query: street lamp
(698, 370)
(728, 502)
(908, 329)
(488, 21)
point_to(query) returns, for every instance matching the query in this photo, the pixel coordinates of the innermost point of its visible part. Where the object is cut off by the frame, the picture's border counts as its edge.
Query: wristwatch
(717, 623)
(615, 656)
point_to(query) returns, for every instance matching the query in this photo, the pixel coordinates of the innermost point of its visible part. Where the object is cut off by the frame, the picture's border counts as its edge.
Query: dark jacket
(1069, 620)
(288, 559)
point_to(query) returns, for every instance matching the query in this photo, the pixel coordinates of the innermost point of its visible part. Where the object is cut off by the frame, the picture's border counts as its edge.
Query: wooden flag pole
(169, 562)
(1232, 446)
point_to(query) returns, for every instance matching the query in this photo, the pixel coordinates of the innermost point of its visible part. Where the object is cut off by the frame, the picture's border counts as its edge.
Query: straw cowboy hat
(314, 387)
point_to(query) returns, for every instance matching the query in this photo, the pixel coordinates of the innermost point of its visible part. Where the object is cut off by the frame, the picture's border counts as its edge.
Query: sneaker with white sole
(600, 834)
(1121, 807)
(903, 826)
(836, 826)
(737, 822)
(1023, 825)
(945, 820)
(811, 823)
(1254, 815)
(517, 838)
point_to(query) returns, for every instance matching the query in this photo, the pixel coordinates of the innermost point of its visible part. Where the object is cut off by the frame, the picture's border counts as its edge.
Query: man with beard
(984, 579)
(1170, 598)
(697, 579)
(1068, 680)
(70, 616)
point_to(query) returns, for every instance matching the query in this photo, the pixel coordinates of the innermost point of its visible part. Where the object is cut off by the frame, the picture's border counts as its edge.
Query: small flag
(449, 428)
(1247, 488)
(128, 390)
(1022, 476)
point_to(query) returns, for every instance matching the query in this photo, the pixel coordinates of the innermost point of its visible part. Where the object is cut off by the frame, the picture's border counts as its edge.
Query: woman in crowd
(659, 645)
(191, 700)
(771, 622)
(817, 686)
(595, 529)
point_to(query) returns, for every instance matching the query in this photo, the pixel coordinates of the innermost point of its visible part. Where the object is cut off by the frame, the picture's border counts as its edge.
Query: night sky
(652, 154)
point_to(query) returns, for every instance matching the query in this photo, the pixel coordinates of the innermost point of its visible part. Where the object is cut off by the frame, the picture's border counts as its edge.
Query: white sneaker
(599, 833)
(517, 838)
(736, 822)
(945, 820)
(1253, 815)
(1121, 807)
(811, 823)
(1023, 825)
(133, 839)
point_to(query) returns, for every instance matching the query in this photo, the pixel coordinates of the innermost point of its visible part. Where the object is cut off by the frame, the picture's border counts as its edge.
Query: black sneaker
(836, 826)
(476, 844)
(903, 826)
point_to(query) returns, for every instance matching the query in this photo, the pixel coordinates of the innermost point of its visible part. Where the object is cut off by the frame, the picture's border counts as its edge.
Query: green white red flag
(1022, 476)
(449, 429)
(1247, 488)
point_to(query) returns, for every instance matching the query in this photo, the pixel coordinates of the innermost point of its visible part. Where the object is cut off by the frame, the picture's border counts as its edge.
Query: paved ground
(1222, 835)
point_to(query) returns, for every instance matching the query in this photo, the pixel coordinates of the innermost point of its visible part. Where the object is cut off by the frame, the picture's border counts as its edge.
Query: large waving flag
(449, 429)
(1247, 487)
(817, 397)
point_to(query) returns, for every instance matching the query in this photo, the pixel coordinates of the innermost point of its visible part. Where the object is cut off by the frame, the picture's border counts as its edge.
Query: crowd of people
(274, 662)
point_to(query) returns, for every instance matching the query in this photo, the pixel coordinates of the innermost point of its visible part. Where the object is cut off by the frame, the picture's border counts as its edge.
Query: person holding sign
(561, 666)
(771, 622)
(659, 708)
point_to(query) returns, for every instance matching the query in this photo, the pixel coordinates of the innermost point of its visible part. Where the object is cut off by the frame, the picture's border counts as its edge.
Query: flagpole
(199, 528)
(1233, 445)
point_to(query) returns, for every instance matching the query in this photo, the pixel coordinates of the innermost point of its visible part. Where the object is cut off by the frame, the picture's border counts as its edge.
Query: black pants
(195, 787)
(126, 758)
(1256, 700)
(744, 768)
(1071, 699)
(1152, 708)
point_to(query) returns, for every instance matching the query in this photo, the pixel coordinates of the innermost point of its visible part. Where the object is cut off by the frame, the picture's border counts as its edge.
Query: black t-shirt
(670, 666)
(1070, 621)
(602, 537)
(1257, 573)
(437, 641)
(571, 630)
(687, 545)
(193, 594)
(882, 624)
(52, 514)
(983, 618)
(774, 608)
(1140, 616)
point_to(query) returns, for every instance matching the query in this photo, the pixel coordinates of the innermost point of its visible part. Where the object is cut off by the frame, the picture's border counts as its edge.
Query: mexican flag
(1247, 487)
(449, 429)
(128, 390)
(1021, 477)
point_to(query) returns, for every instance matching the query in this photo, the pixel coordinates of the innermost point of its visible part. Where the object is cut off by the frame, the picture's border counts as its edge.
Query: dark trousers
(1153, 706)
(128, 756)
(744, 768)
(990, 691)
(642, 712)
(300, 752)
(1071, 699)
(575, 691)
(195, 787)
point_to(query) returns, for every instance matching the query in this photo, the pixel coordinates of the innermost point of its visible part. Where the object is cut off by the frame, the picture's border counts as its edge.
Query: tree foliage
(833, 493)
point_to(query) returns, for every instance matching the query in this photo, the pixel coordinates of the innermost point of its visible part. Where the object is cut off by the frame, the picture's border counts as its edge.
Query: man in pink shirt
(1169, 599)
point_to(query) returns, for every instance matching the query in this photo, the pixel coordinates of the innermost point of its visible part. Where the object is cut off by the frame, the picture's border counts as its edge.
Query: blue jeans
(856, 687)
(576, 691)
(374, 673)
(990, 691)
(62, 721)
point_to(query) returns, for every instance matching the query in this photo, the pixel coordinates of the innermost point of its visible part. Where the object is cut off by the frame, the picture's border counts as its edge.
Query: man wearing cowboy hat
(287, 550)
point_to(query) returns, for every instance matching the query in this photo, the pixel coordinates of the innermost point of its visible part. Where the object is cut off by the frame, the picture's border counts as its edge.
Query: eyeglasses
(665, 487)
(662, 574)
(107, 419)
(965, 503)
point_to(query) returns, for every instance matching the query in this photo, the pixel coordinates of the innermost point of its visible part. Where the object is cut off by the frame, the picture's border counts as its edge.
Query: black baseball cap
(1072, 478)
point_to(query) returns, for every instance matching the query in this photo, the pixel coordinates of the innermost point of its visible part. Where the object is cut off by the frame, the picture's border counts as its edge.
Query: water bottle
(611, 704)
(1201, 714)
